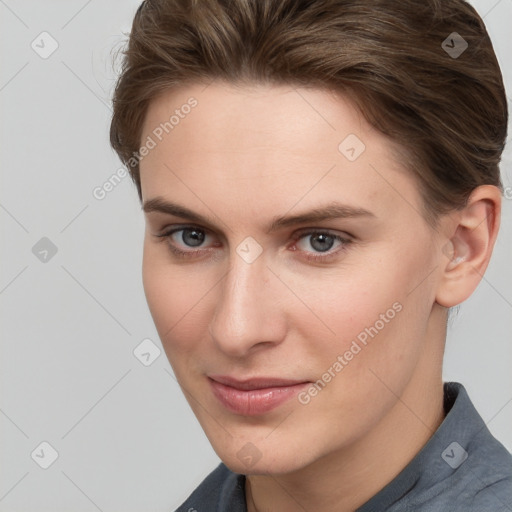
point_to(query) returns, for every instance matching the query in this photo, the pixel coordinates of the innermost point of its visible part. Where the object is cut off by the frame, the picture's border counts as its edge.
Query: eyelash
(318, 257)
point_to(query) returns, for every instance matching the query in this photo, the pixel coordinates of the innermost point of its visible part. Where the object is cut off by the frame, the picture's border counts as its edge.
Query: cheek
(347, 300)
(369, 315)
(176, 300)
(363, 318)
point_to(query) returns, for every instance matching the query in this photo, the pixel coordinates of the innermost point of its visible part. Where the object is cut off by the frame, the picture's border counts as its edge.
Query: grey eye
(321, 241)
(192, 237)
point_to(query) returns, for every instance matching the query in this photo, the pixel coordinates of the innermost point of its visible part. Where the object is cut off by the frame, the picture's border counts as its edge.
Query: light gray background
(125, 437)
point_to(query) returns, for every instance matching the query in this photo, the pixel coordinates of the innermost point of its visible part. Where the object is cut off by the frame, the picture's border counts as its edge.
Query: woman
(320, 184)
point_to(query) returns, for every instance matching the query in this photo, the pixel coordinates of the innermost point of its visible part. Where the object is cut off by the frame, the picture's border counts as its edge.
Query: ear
(467, 253)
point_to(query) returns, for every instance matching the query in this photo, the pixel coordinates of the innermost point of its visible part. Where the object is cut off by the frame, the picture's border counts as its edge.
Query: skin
(242, 157)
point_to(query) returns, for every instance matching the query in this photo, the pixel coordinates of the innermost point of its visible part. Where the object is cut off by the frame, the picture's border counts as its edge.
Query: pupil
(192, 237)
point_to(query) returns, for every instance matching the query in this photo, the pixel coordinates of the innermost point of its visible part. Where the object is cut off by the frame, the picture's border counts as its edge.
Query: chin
(262, 468)
(252, 460)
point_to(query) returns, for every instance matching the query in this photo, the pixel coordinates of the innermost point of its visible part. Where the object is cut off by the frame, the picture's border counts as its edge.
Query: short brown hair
(447, 112)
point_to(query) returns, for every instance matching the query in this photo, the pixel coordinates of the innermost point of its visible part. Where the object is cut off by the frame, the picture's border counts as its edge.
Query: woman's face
(259, 291)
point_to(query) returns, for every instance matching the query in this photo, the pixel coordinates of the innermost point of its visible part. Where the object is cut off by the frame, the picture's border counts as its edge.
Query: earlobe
(466, 254)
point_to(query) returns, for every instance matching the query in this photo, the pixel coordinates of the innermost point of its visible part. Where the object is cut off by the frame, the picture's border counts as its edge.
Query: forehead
(270, 145)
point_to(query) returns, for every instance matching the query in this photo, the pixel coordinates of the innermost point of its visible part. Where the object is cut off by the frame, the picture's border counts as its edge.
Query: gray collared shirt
(461, 468)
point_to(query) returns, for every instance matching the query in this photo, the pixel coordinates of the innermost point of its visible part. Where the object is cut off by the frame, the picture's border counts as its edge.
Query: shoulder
(482, 483)
(485, 482)
(462, 468)
(477, 469)
(221, 490)
(485, 477)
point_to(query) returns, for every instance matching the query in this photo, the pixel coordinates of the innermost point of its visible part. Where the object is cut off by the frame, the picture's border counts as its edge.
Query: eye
(190, 237)
(321, 242)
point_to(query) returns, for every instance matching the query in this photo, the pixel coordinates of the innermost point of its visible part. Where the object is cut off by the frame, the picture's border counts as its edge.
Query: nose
(248, 312)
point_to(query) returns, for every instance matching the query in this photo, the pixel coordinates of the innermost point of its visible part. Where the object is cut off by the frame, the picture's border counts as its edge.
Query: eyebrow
(328, 212)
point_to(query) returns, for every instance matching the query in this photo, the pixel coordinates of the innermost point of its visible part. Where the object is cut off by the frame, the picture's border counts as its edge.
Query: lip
(254, 396)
